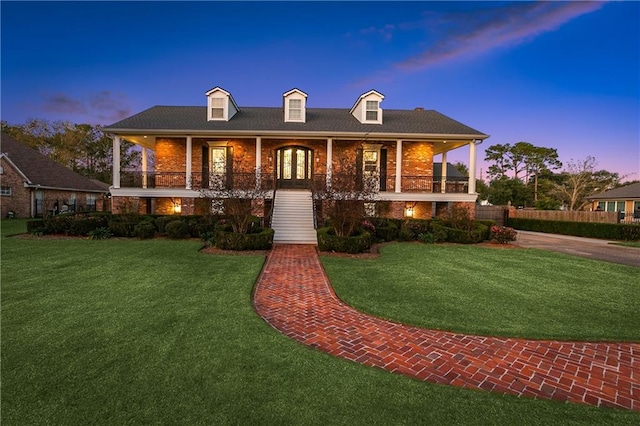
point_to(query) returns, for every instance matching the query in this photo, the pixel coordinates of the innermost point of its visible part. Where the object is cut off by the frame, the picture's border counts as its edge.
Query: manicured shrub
(145, 230)
(417, 227)
(459, 236)
(36, 227)
(260, 239)
(609, 231)
(503, 234)
(328, 241)
(122, 229)
(177, 230)
(162, 221)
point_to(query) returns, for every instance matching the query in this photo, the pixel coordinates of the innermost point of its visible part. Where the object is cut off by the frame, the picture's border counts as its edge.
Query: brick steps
(294, 295)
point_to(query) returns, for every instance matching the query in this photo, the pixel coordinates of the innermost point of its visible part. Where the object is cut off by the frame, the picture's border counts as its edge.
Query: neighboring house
(34, 185)
(292, 147)
(624, 200)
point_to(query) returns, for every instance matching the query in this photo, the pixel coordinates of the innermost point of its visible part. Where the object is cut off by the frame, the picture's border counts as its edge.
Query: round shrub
(177, 230)
(259, 239)
(145, 230)
(328, 241)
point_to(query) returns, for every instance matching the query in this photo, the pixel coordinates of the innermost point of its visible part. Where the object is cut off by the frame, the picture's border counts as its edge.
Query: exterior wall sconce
(408, 210)
(177, 207)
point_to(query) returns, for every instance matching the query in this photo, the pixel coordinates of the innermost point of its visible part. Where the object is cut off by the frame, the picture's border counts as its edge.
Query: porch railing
(410, 183)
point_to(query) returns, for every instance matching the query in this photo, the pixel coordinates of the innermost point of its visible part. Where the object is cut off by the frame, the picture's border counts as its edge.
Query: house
(624, 200)
(33, 185)
(291, 148)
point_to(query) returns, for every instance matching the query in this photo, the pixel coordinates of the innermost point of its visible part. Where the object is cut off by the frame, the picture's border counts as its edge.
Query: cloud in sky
(103, 107)
(463, 35)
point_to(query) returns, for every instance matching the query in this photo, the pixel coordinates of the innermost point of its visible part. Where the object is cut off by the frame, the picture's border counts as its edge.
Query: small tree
(344, 199)
(236, 195)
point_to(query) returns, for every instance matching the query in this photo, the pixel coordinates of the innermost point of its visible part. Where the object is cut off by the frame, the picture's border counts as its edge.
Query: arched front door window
(294, 167)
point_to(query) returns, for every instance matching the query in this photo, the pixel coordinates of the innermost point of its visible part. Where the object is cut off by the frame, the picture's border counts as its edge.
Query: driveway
(577, 246)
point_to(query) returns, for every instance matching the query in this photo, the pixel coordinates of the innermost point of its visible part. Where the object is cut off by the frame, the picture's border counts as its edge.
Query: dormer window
(371, 113)
(295, 109)
(367, 108)
(295, 103)
(217, 108)
(220, 105)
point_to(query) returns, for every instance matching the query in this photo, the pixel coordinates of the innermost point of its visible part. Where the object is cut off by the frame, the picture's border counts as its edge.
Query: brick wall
(19, 201)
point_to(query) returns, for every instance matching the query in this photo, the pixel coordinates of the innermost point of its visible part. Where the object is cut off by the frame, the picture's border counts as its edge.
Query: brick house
(290, 150)
(33, 185)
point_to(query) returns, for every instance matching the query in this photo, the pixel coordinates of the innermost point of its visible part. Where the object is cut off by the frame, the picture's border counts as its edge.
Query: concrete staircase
(292, 218)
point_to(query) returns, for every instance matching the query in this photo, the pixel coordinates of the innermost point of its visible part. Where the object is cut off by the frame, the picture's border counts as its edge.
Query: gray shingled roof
(452, 172)
(266, 119)
(43, 171)
(627, 192)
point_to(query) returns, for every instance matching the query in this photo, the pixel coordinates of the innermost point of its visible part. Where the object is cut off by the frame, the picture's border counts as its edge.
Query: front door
(293, 167)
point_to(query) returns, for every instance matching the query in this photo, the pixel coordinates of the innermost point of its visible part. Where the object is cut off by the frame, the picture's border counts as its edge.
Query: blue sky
(564, 75)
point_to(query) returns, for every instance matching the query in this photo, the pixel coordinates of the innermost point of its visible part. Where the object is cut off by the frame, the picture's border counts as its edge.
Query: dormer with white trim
(367, 108)
(220, 105)
(295, 106)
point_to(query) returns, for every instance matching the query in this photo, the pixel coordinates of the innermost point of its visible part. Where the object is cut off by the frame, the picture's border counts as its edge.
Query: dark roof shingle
(43, 171)
(258, 119)
(627, 192)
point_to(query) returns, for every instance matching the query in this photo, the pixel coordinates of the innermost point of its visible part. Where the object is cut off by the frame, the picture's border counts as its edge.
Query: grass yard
(635, 244)
(122, 332)
(490, 291)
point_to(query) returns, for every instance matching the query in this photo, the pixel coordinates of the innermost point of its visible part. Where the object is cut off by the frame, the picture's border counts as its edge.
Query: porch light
(408, 210)
(177, 208)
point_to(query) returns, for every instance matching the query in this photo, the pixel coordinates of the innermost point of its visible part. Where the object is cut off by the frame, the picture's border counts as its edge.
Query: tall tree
(539, 159)
(83, 148)
(581, 179)
(498, 154)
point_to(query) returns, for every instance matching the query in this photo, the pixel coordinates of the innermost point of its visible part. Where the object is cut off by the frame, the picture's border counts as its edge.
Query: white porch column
(329, 161)
(188, 168)
(443, 175)
(144, 167)
(399, 165)
(472, 167)
(258, 162)
(116, 162)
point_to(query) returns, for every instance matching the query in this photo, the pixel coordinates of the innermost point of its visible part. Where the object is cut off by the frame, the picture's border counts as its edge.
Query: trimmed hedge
(145, 230)
(79, 224)
(36, 227)
(609, 231)
(177, 230)
(460, 236)
(327, 241)
(228, 240)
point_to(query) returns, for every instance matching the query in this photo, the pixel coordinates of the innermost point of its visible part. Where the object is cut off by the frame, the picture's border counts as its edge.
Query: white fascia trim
(422, 137)
(17, 169)
(418, 196)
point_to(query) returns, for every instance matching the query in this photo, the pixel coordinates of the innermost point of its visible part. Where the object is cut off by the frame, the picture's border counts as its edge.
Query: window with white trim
(217, 108)
(91, 202)
(371, 113)
(5, 190)
(295, 109)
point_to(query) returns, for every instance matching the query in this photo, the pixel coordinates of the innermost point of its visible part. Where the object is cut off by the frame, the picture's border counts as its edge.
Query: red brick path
(293, 294)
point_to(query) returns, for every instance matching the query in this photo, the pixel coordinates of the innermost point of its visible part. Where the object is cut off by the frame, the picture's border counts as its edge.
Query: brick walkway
(293, 294)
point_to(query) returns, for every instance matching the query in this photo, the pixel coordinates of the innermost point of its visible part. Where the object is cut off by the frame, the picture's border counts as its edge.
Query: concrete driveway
(577, 246)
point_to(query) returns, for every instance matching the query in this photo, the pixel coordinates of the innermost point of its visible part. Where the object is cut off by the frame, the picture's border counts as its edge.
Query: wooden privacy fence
(495, 213)
(566, 216)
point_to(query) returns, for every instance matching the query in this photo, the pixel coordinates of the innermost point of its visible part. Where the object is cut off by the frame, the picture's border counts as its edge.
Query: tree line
(526, 175)
(83, 148)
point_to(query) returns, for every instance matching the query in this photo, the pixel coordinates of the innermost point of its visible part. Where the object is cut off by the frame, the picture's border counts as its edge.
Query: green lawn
(635, 244)
(122, 332)
(491, 291)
